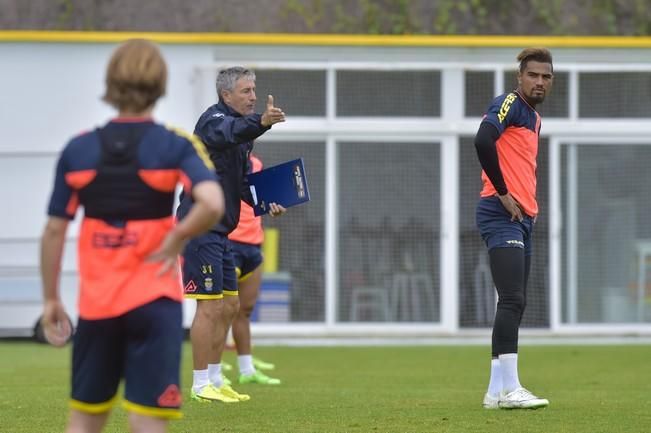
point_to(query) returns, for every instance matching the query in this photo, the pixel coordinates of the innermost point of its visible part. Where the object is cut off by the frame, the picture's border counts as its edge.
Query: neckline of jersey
(132, 119)
(525, 101)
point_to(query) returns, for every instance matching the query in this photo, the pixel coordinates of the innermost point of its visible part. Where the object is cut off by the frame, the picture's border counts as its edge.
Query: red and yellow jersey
(125, 175)
(517, 148)
(249, 229)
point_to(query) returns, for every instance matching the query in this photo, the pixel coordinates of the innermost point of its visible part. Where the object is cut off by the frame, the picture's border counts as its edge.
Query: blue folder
(284, 184)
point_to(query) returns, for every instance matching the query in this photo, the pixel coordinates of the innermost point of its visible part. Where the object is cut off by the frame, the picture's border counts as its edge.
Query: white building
(388, 244)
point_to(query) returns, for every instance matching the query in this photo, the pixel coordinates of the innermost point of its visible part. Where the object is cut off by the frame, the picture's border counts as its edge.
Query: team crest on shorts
(208, 283)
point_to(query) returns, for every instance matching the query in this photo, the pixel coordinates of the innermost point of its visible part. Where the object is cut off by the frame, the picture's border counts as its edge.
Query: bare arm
(207, 210)
(54, 321)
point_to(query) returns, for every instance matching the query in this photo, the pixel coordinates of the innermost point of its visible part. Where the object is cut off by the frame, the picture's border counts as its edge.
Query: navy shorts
(247, 258)
(143, 346)
(497, 229)
(208, 268)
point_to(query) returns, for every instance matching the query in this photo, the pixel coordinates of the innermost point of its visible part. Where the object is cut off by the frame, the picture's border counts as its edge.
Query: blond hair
(537, 54)
(136, 76)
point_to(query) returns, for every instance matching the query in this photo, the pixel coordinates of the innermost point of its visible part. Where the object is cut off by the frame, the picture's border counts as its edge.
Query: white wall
(51, 91)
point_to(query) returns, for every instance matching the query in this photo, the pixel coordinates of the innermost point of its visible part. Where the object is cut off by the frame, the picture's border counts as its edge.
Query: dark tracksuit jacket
(228, 136)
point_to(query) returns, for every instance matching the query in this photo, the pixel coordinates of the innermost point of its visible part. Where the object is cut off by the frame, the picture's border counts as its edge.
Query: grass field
(369, 389)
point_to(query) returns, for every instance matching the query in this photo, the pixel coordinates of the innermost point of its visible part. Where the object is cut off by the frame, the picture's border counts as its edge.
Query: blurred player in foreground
(507, 147)
(246, 241)
(124, 174)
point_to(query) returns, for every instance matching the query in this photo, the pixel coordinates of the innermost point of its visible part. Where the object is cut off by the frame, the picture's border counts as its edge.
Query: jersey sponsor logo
(191, 287)
(171, 397)
(114, 240)
(506, 106)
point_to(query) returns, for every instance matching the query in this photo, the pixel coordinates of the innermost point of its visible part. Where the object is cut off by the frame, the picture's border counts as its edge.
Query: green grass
(369, 389)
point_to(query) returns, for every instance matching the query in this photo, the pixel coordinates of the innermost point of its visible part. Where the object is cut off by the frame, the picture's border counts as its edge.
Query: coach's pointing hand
(272, 114)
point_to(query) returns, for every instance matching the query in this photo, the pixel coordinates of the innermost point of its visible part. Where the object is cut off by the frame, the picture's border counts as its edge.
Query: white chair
(411, 295)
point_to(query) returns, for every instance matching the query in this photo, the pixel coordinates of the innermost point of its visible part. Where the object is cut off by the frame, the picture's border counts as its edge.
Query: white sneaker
(491, 402)
(521, 399)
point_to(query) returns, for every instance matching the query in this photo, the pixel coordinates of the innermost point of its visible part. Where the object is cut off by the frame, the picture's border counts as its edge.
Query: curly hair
(537, 54)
